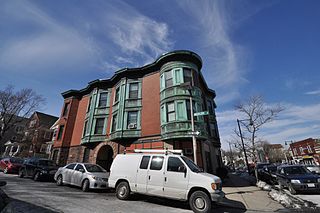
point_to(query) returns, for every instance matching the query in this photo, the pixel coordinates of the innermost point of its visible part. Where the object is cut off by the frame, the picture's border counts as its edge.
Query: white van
(164, 174)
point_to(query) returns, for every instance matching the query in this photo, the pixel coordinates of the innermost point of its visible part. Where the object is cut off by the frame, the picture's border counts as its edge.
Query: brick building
(140, 108)
(305, 151)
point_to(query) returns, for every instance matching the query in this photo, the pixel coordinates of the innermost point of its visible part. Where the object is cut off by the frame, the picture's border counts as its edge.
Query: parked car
(268, 174)
(297, 178)
(10, 164)
(164, 174)
(85, 175)
(38, 168)
(313, 168)
(259, 169)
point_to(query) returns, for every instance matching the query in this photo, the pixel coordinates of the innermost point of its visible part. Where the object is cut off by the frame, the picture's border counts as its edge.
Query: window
(89, 104)
(132, 119)
(66, 108)
(133, 90)
(181, 111)
(116, 95)
(103, 98)
(168, 78)
(19, 129)
(144, 162)
(47, 135)
(60, 132)
(189, 110)
(86, 155)
(33, 123)
(210, 108)
(70, 166)
(156, 163)
(78, 167)
(85, 128)
(174, 164)
(187, 75)
(99, 126)
(114, 123)
(171, 114)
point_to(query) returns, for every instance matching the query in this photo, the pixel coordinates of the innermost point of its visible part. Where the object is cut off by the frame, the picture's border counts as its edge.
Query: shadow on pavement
(18, 206)
(238, 180)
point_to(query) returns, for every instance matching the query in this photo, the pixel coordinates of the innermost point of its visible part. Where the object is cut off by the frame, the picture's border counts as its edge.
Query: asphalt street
(31, 196)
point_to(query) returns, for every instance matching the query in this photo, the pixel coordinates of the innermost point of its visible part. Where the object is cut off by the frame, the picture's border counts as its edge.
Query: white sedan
(85, 175)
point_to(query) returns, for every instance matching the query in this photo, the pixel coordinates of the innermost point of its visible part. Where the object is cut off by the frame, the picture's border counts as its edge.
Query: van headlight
(295, 181)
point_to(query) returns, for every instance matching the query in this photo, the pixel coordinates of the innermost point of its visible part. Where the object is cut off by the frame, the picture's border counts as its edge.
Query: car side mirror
(81, 170)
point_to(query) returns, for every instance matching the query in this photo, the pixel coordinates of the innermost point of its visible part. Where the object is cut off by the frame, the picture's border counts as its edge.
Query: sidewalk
(240, 195)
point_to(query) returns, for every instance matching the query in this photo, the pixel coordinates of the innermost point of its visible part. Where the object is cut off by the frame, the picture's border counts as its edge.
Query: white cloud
(315, 92)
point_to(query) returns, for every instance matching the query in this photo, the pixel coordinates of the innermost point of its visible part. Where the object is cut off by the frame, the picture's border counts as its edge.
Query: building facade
(140, 108)
(305, 151)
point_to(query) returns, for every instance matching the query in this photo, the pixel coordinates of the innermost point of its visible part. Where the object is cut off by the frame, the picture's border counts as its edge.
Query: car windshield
(191, 164)
(94, 168)
(296, 170)
(16, 160)
(46, 163)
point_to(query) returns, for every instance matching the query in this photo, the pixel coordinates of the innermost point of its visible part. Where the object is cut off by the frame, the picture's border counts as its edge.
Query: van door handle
(165, 179)
(149, 177)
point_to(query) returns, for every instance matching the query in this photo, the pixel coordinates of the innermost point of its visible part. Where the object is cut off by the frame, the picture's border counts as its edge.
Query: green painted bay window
(175, 77)
(133, 90)
(99, 126)
(114, 122)
(103, 99)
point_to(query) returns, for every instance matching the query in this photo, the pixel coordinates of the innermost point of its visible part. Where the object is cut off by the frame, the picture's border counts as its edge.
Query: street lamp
(189, 87)
(244, 150)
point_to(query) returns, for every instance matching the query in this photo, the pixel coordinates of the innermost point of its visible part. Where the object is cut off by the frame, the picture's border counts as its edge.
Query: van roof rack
(164, 151)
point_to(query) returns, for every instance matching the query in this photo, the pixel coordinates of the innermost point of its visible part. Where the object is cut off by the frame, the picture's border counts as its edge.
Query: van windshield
(191, 164)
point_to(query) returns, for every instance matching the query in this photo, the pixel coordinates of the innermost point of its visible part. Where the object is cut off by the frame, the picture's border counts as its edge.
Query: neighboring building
(140, 108)
(10, 144)
(47, 146)
(38, 133)
(304, 151)
(276, 153)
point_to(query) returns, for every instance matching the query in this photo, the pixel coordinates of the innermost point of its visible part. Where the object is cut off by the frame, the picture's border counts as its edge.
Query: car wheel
(200, 202)
(59, 180)
(123, 191)
(292, 190)
(85, 185)
(36, 176)
(21, 173)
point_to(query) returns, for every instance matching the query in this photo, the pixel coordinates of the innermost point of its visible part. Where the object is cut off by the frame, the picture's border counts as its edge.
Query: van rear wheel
(200, 202)
(123, 191)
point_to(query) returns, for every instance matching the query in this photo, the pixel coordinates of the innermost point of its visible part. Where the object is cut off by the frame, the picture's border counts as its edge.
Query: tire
(200, 202)
(292, 190)
(123, 191)
(36, 176)
(21, 173)
(59, 180)
(85, 185)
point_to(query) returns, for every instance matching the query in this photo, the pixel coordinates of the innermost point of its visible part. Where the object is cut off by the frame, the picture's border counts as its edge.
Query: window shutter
(162, 82)
(178, 76)
(181, 111)
(163, 114)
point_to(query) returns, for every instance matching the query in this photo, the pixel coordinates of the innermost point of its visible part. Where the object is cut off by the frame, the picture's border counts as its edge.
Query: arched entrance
(105, 157)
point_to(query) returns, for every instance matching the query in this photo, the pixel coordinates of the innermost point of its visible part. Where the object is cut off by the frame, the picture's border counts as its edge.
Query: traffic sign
(201, 113)
(194, 133)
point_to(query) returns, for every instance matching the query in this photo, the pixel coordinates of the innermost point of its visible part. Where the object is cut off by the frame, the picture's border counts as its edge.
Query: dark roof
(178, 55)
(46, 120)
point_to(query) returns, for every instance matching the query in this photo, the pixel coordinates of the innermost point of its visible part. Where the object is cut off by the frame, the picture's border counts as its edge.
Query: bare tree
(16, 104)
(256, 113)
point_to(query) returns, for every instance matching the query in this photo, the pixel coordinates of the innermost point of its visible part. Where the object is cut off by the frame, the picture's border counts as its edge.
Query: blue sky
(270, 48)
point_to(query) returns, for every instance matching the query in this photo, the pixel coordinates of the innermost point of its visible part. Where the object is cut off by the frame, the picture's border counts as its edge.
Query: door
(155, 176)
(30, 167)
(176, 179)
(142, 175)
(77, 175)
(67, 173)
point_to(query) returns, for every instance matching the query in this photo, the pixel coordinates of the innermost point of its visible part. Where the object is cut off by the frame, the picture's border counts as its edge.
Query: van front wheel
(123, 191)
(200, 202)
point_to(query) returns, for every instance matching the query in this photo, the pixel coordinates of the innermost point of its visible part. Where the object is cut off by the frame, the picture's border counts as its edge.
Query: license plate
(311, 185)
